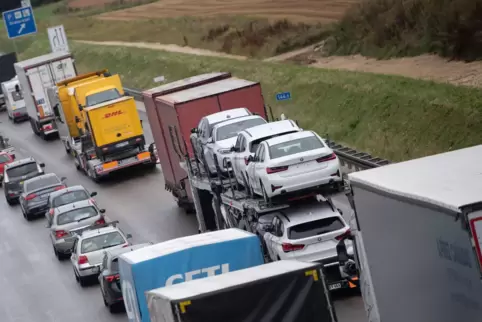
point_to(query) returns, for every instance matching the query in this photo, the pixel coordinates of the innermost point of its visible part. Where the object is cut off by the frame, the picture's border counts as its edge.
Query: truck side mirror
(77, 119)
(80, 107)
(194, 130)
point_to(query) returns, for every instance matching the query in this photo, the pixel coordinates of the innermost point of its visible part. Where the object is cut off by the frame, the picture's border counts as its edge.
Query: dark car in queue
(109, 278)
(67, 196)
(35, 195)
(14, 175)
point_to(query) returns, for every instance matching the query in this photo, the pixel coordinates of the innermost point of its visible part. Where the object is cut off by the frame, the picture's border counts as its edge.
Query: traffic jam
(272, 245)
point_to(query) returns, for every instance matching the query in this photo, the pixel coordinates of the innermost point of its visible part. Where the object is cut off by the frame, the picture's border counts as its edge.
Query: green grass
(393, 117)
(64, 8)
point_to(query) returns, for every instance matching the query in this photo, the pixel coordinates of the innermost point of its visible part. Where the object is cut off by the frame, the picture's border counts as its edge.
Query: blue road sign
(19, 22)
(283, 96)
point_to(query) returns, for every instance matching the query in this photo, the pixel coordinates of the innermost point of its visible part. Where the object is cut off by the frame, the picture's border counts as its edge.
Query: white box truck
(13, 94)
(417, 227)
(36, 75)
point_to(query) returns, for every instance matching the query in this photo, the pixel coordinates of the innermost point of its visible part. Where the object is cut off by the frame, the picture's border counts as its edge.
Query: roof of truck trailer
(184, 82)
(450, 180)
(42, 59)
(214, 284)
(207, 90)
(182, 243)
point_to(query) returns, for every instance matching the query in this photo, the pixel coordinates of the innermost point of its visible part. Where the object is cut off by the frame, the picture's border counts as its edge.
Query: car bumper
(64, 246)
(89, 271)
(37, 210)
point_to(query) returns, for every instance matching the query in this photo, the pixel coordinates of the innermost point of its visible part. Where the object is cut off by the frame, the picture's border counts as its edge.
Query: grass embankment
(393, 117)
(390, 28)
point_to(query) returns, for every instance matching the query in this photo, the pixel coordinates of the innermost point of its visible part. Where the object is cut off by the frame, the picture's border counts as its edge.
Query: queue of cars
(77, 226)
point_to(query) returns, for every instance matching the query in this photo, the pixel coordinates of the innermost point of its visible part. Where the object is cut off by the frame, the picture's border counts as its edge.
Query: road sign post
(58, 39)
(19, 22)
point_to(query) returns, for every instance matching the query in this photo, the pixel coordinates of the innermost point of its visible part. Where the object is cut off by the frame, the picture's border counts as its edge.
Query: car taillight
(276, 169)
(83, 260)
(30, 196)
(291, 248)
(111, 278)
(51, 212)
(345, 234)
(101, 221)
(326, 158)
(60, 188)
(60, 233)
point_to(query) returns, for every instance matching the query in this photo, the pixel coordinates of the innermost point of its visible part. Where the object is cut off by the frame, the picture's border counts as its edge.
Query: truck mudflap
(108, 167)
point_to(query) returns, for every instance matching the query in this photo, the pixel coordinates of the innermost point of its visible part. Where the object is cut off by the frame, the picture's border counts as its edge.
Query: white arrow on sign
(22, 27)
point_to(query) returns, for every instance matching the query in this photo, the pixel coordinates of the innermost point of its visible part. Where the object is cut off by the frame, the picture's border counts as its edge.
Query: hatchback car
(223, 137)
(201, 134)
(248, 141)
(66, 196)
(15, 174)
(291, 163)
(69, 218)
(109, 278)
(35, 195)
(5, 158)
(89, 246)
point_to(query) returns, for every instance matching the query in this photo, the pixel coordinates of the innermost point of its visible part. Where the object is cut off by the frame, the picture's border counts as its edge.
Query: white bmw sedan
(292, 162)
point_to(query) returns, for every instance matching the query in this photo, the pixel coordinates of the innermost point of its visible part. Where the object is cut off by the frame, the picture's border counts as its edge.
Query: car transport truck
(289, 291)
(417, 232)
(183, 259)
(7, 72)
(36, 75)
(111, 134)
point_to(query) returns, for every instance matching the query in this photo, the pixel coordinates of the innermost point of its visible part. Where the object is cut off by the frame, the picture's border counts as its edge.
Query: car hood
(226, 144)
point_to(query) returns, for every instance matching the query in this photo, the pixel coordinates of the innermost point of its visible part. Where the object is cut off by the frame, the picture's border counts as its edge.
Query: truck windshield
(102, 97)
(315, 228)
(232, 130)
(17, 96)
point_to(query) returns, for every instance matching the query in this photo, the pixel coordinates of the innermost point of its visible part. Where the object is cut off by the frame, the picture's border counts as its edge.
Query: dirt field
(296, 10)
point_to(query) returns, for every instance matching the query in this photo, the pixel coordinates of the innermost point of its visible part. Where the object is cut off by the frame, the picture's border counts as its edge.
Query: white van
(16, 107)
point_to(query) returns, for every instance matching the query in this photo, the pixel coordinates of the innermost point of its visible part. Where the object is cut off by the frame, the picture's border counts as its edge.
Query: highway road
(36, 287)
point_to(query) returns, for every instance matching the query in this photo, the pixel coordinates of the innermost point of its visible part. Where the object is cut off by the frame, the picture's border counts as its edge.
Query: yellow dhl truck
(69, 117)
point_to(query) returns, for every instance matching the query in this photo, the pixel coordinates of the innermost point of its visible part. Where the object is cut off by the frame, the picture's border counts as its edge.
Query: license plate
(96, 269)
(125, 161)
(334, 286)
(120, 145)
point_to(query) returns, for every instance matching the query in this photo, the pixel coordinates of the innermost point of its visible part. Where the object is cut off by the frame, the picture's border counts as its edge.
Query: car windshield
(22, 170)
(41, 183)
(17, 96)
(232, 130)
(70, 197)
(76, 215)
(97, 98)
(315, 228)
(104, 241)
(295, 146)
(4, 158)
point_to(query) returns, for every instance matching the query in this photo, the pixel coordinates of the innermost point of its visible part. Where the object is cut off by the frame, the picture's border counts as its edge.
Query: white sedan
(224, 137)
(290, 163)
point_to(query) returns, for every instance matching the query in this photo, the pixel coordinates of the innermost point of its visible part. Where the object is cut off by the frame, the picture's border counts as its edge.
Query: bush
(386, 28)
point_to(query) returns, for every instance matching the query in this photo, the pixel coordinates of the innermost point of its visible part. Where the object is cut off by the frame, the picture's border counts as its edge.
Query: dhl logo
(115, 113)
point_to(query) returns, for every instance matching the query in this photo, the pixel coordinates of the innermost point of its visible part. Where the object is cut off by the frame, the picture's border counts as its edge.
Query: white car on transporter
(223, 137)
(291, 163)
(248, 141)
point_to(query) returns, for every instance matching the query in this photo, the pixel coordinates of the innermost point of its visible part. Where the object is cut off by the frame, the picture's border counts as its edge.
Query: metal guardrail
(349, 158)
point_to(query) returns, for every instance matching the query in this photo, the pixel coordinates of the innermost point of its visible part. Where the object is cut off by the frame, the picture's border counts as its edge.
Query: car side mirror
(210, 140)
(194, 130)
(250, 158)
(128, 236)
(102, 211)
(269, 228)
(42, 165)
(63, 179)
(93, 194)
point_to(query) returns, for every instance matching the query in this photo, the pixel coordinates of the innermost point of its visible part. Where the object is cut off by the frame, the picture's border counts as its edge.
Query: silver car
(67, 220)
(66, 196)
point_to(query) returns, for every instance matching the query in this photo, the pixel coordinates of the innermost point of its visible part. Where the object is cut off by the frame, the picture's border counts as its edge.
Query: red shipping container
(154, 117)
(182, 110)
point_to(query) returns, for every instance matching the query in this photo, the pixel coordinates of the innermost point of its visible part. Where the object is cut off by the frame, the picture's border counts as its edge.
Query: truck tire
(34, 127)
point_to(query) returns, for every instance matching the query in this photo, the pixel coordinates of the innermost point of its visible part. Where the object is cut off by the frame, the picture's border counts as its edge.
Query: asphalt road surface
(36, 287)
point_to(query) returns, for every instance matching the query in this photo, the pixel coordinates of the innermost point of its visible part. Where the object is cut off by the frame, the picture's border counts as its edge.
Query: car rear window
(315, 228)
(232, 130)
(256, 143)
(76, 215)
(295, 146)
(114, 267)
(70, 197)
(22, 170)
(41, 183)
(4, 158)
(104, 241)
